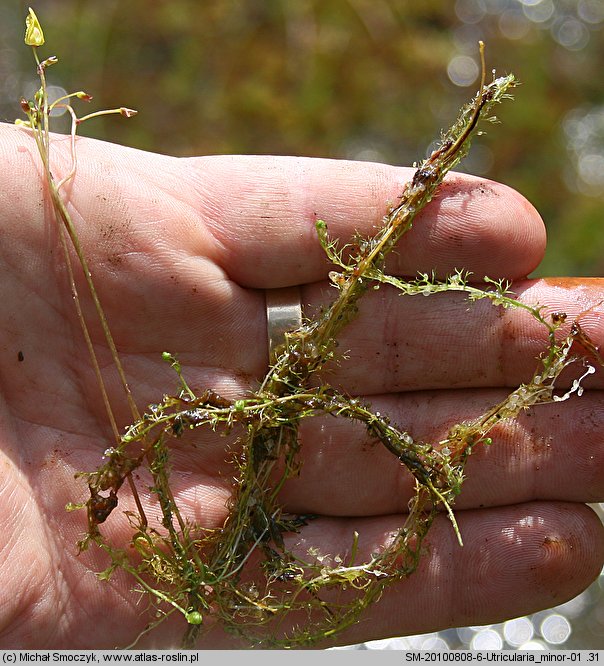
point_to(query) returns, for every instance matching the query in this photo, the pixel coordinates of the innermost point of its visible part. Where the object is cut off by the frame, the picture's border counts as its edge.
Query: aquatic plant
(249, 575)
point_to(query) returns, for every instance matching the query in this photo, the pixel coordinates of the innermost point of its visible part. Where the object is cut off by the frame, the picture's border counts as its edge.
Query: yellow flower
(33, 30)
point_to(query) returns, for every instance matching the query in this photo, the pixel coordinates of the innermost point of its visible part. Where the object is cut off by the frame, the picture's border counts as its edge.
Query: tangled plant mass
(244, 575)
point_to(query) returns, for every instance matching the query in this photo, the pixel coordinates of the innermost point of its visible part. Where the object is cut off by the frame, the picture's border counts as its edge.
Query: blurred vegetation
(360, 79)
(355, 79)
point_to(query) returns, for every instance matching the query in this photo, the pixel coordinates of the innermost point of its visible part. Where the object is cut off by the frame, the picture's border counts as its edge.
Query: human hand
(182, 251)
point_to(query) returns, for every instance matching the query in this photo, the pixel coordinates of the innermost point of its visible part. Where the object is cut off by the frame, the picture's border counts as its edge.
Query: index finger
(262, 212)
(254, 216)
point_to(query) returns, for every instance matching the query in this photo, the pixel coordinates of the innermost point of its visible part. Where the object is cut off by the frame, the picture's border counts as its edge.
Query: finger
(254, 217)
(262, 211)
(443, 341)
(550, 452)
(515, 560)
(396, 344)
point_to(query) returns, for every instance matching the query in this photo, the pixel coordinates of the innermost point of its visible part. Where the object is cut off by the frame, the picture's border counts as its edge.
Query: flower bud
(51, 60)
(33, 30)
(25, 105)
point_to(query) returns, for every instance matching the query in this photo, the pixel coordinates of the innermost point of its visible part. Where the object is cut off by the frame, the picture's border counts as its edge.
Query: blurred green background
(361, 79)
(357, 79)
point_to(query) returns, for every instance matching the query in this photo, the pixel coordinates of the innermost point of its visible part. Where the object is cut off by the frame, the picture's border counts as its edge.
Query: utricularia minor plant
(243, 575)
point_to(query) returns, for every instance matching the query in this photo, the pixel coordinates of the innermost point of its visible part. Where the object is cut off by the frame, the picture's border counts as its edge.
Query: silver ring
(283, 314)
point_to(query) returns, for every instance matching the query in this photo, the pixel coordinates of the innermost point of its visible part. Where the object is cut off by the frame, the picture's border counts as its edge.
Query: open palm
(182, 251)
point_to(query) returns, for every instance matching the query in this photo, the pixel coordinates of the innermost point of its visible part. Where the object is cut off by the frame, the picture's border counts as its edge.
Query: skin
(181, 251)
